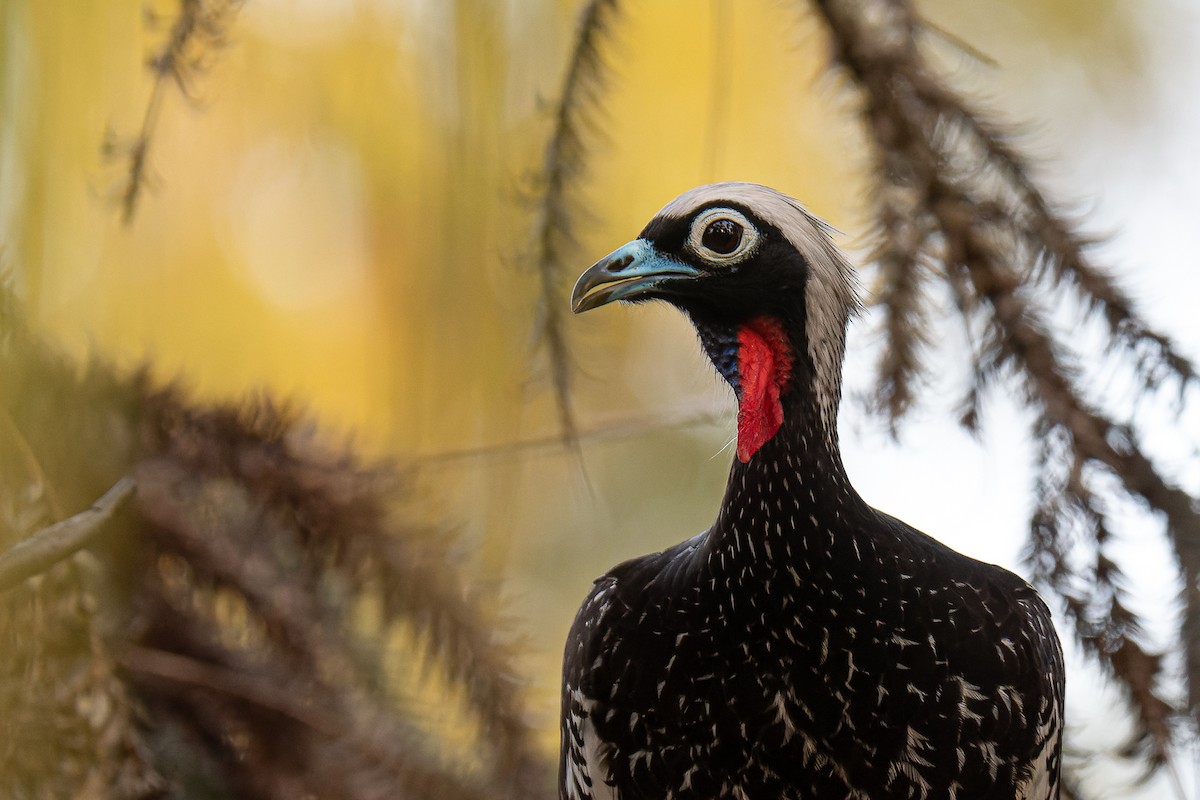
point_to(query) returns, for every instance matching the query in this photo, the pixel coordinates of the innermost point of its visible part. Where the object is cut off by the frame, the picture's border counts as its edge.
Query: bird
(806, 645)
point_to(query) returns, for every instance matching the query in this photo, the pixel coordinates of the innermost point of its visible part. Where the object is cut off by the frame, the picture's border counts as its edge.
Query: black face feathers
(792, 271)
(760, 273)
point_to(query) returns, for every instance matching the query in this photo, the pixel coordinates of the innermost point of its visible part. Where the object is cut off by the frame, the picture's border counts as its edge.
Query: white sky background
(1138, 183)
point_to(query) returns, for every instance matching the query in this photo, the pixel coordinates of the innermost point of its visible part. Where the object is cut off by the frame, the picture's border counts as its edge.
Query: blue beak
(632, 270)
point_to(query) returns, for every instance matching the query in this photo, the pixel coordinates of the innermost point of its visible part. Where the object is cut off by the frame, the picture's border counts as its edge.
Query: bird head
(768, 291)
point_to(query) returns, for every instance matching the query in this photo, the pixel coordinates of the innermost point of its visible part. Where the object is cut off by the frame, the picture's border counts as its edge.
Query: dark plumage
(806, 645)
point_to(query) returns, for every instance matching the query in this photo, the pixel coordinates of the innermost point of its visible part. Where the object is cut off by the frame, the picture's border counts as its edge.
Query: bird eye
(722, 236)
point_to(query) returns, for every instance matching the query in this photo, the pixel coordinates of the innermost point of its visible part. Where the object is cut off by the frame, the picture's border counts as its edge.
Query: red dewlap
(764, 367)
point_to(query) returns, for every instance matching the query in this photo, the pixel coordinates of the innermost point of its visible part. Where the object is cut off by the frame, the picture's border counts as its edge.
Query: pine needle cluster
(241, 625)
(958, 211)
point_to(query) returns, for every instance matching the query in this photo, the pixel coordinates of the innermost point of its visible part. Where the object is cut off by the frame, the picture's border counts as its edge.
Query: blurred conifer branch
(957, 207)
(258, 622)
(565, 164)
(197, 31)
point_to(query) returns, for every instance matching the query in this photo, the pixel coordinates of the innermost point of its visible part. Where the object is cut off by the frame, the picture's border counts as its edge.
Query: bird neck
(787, 480)
(791, 501)
(803, 459)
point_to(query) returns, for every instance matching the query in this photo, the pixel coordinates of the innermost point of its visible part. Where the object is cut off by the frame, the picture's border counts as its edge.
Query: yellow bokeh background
(341, 214)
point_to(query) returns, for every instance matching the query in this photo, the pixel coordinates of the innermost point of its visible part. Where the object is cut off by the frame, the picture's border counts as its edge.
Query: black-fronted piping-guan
(806, 646)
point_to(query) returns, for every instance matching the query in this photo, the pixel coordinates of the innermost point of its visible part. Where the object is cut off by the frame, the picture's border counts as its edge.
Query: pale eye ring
(722, 236)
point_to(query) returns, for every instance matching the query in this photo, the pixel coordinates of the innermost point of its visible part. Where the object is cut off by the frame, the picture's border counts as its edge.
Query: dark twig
(233, 683)
(903, 275)
(564, 167)
(621, 429)
(42, 550)
(199, 26)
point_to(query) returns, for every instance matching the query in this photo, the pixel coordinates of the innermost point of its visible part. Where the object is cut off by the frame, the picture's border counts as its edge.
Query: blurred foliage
(266, 619)
(341, 207)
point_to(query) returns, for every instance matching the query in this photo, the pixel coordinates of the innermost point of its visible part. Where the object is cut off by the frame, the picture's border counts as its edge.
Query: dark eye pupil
(722, 236)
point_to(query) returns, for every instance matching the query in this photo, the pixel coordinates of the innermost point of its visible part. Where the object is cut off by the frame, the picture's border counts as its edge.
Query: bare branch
(42, 550)
(618, 429)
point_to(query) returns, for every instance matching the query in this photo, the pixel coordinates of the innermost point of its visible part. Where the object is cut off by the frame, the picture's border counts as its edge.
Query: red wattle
(764, 366)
